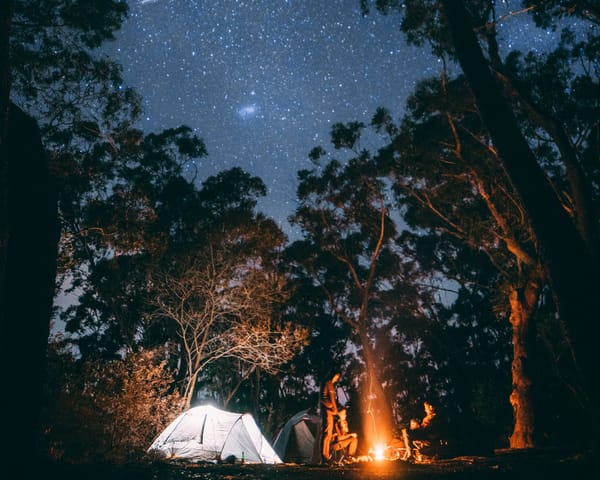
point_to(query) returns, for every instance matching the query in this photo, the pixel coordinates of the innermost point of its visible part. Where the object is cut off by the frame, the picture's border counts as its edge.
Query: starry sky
(263, 81)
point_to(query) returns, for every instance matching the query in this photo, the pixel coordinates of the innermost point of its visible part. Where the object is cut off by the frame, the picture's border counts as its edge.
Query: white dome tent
(205, 433)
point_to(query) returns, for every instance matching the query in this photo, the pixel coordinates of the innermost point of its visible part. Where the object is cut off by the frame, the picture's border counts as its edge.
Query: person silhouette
(343, 440)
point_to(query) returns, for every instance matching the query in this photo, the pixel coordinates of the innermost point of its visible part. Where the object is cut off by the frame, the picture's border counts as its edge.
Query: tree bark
(523, 302)
(571, 269)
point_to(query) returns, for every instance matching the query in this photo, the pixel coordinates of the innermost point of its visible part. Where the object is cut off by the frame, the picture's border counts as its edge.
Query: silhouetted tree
(561, 208)
(349, 258)
(571, 265)
(130, 218)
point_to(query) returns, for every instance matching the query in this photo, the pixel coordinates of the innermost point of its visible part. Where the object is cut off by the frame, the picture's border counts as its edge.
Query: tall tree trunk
(229, 395)
(523, 302)
(377, 411)
(29, 288)
(571, 269)
(6, 9)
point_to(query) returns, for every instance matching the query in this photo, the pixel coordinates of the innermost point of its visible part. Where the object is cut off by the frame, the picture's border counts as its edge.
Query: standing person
(329, 410)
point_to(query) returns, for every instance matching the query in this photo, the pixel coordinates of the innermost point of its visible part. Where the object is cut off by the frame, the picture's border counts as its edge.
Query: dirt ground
(542, 464)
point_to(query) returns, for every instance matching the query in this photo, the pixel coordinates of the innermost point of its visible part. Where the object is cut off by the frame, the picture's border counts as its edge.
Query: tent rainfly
(298, 440)
(205, 433)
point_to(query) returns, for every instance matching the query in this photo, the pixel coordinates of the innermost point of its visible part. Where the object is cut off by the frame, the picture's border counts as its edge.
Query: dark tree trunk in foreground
(6, 8)
(571, 269)
(29, 286)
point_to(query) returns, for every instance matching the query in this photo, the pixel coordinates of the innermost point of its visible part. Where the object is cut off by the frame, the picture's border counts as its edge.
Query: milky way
(263, 81)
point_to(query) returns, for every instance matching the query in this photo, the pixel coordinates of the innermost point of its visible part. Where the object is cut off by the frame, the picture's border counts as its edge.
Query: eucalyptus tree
(543, 130)
(348, 258)
(224, 304)
(222, 289)
(76, 96)
(565, 227)
(447, 179)
(114, 182)
(85, 111)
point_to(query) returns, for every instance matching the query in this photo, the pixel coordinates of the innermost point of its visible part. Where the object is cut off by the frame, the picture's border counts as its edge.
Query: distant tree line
(456, 261)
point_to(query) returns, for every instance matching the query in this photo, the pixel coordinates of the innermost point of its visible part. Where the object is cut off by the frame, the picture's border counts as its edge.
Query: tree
(349, 258)
(6, 12)
(84, 110)
(570, 264)
(447, 181)
(565, 230)
(56, 100)
(56, 76)
(29, 273)
(225, 306)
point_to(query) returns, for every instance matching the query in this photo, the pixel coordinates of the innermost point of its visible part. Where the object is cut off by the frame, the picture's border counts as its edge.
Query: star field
(263, 81)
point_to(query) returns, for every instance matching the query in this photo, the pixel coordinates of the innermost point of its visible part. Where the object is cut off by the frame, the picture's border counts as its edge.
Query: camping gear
(298, 441)
(205, 433)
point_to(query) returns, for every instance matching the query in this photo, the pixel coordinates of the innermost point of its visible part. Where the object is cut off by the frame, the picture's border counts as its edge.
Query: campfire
(382, 451)
(378, 452)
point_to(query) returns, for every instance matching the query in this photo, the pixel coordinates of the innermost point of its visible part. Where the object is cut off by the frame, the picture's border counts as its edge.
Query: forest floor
(503, 464)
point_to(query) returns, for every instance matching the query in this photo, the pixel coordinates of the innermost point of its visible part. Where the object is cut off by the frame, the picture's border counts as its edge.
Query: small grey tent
(206, 433)
(298, 441)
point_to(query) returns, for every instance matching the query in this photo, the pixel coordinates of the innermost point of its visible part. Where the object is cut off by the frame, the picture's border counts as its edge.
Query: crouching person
(344, 442)
(427, 437)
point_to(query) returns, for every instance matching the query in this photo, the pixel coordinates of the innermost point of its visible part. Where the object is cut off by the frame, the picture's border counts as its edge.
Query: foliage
(56, 76)
(546, 13)
(106, 411)
(116, 232)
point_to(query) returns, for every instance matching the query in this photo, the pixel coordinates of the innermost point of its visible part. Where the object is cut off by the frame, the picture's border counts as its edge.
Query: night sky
(263, 81)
